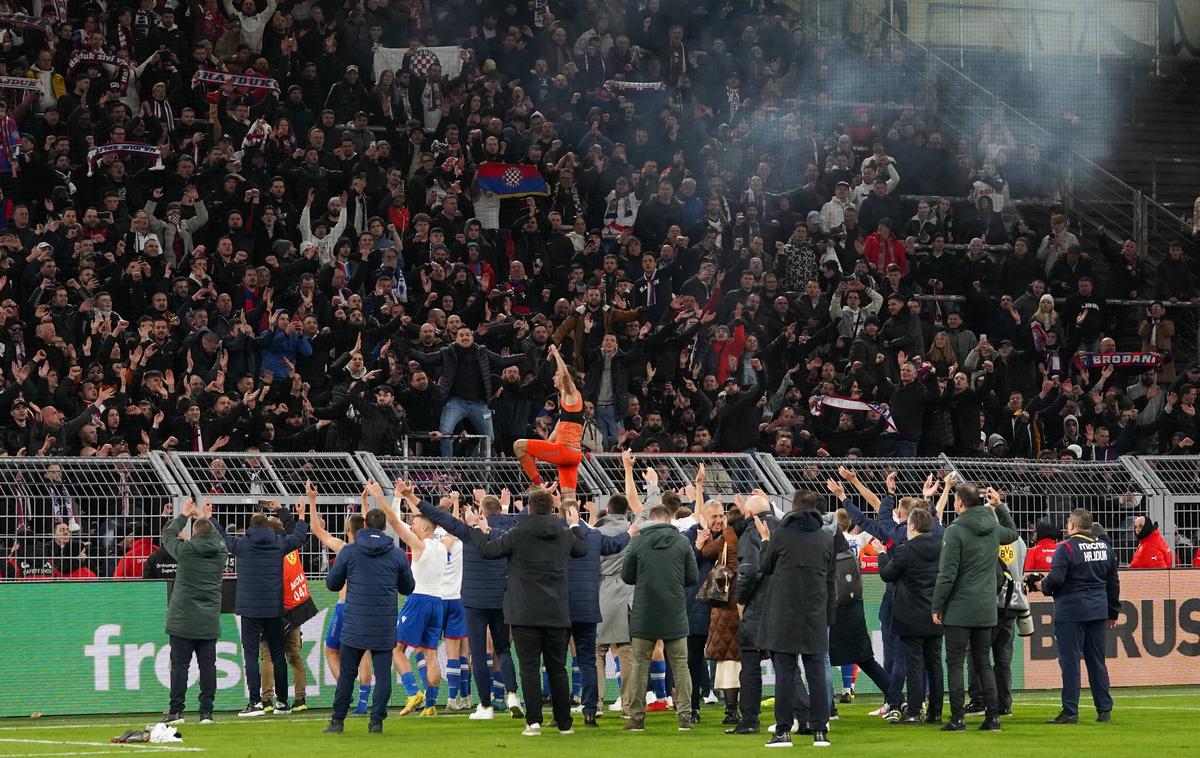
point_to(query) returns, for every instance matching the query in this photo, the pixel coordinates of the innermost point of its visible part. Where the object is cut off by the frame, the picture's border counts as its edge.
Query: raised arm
(407, 535)
(563, 374)
(869, 497)
(631, 490)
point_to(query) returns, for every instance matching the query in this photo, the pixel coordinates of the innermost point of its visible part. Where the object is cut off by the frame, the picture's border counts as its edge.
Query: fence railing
(103, 517)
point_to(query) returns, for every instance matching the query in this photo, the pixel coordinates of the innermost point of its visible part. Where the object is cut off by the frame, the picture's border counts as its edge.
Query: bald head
(756, 504)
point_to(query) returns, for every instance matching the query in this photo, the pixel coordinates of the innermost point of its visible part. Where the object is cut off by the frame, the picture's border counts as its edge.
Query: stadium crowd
(223, 230)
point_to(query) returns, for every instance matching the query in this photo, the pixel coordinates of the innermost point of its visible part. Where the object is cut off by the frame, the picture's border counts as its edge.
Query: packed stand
(224, 230)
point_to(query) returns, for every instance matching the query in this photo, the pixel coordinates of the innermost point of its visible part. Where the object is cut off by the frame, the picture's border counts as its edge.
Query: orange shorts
(567, 460)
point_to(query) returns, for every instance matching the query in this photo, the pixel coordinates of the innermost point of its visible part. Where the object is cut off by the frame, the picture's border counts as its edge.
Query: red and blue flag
(511, 179)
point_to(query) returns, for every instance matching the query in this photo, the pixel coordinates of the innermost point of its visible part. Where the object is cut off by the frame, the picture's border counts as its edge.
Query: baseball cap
(814, 216)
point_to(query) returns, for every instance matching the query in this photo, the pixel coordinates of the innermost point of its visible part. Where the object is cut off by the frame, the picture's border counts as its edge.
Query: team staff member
(194, 610)
(1087, 598)
(1041, 554)
(1152, 552)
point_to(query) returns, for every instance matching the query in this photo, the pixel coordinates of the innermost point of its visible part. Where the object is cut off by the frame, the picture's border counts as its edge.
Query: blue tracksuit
(1087, 594)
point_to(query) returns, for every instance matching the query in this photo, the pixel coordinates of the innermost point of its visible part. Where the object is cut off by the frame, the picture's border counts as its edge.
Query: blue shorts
(420, 622)
(333, 635)
(454, 625)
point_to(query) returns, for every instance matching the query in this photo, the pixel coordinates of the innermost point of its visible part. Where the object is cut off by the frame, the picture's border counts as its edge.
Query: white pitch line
(116, 724)
(108, 745)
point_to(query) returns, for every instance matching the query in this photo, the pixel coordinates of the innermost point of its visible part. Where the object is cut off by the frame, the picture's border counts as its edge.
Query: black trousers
(381, 664)
(750, 687)
(547, 646)
(584, 634)
(975, 641)
(698, 668)
(182, 650)
(1003, 635)
(253, 632)
(479, 621)
(787, 670)
(924, 663)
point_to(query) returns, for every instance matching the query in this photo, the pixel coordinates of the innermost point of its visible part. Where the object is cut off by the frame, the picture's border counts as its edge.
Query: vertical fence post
(961, 32)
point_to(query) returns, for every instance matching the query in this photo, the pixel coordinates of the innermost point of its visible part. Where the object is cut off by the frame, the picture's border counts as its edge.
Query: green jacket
(194, 611)
(661, 565)
(965, 593)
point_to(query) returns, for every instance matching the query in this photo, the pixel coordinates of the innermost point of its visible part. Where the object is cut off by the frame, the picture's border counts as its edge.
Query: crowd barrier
(111, 655)
(107, 509)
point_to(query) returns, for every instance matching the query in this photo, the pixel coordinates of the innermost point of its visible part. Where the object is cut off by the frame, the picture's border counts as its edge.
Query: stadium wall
(99, 647)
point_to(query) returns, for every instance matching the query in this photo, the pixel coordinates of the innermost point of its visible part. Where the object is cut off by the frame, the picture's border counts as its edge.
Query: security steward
(1086, 589)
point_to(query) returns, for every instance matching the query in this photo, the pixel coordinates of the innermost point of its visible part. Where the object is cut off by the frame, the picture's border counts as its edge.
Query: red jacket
(879, 254)
(1040, 555)
(1152, 553)
(133, 562)
(1196, 559)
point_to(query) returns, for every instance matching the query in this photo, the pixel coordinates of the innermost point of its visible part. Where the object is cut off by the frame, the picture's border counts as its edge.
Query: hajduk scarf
(104, 59)
(1118, 360)
(123, 148)
(19, 82)
(27, 22)
(220, 78)
(818, 403)
(635, 86)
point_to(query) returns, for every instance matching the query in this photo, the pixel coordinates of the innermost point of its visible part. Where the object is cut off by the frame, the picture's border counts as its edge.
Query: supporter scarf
(19, 82)
(60, 11)
(219, 78)
(91, 56)
(1119, 360)
(27, 22)
(128, 148)
(257, 135)
(636, 86)
(818, 403)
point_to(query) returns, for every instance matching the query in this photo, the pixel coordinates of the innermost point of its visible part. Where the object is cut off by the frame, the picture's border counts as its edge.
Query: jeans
(381, 663)
(924, 664)
(1002, 652)
(479, 621)
(293, 650)
(584, 634)
(1084, 639)
(457, 409)
(607, 423)
(893, 651)
(698, 669)
(676, 655)
(977, 641)
(205, 651)
(254, 631)
(787, 670)
(905, 448)
(537, 646)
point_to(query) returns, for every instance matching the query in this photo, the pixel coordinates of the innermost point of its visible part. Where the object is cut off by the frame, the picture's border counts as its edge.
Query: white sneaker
(577, 709)
(514, 706)
(567, 731)
(651, 698)
(482, 713)
(615, 707)
(532, 730)
(710, 698)
(880, 711)
(670, 702)
(795, 728)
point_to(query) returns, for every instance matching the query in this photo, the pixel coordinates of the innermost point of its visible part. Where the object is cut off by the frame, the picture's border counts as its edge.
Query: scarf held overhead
(220, 78)
(1119, 360)
(91, 56)
(27, 22)
(19, 82)
(818, 403)
(123, 148)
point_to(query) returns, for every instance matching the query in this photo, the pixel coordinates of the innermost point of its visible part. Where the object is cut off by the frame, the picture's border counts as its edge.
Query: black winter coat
(539, 550)
(446, 360)
(260, 568)
(752, 584)
(912, 568)
(799, 607)
(374, 570)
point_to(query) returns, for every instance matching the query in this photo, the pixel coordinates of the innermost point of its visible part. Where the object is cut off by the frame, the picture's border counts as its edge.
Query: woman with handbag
(718, 543)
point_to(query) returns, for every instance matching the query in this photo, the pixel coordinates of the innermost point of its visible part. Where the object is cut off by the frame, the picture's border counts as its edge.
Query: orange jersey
(569, 429)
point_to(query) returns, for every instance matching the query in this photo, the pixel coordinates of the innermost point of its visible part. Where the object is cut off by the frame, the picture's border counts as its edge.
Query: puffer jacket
(483, 579)
(277, 345)
(723, 620)
(1152, 550)
(194, 610)
(373, 570)
(260, 567)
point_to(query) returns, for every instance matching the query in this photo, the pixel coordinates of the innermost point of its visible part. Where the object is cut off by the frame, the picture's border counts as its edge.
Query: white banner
(393, 58)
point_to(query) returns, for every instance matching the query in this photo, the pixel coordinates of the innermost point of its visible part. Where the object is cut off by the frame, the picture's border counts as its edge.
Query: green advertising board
(99, 647)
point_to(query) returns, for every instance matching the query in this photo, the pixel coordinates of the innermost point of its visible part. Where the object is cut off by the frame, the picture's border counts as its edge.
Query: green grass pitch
(1147, 723)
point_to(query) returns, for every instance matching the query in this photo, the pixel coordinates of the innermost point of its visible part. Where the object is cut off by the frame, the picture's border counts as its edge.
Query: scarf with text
(1118, 360)
(818, 403)
(615, 84)
(104, 59)
(123, 148)
(220, 78)
(25, 21)
(19, 82)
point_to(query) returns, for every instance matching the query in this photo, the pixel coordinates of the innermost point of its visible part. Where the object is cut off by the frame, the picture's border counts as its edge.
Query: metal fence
(83, 517)
(79, 517)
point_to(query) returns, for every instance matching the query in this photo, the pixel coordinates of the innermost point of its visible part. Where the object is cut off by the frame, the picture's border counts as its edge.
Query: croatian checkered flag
(418, 61)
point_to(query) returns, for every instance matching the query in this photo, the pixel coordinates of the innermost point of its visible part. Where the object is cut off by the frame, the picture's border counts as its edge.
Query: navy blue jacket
(699, 614)
(583, 575)
(373, 570)
(884, 528)
(1083, 580)
(484, 579)
(259, 556)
